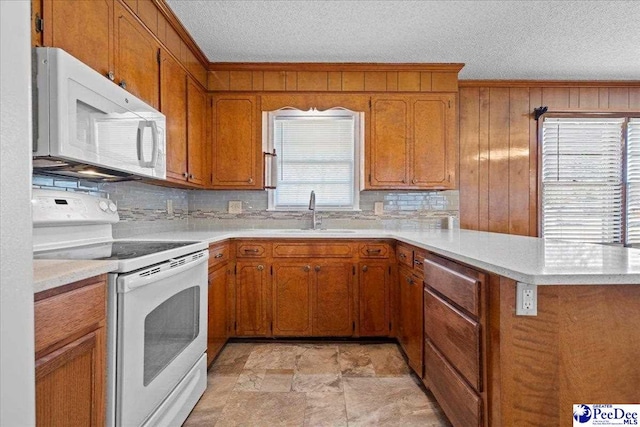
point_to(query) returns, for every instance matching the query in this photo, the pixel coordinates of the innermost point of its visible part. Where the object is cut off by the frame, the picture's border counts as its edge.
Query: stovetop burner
(116, 250)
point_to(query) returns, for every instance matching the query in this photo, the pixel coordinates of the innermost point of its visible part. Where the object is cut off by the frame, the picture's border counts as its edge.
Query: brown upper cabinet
(82, 28)
(236, 158)
(137, 58)
(173, 104)
(196, 132)
(412, 143)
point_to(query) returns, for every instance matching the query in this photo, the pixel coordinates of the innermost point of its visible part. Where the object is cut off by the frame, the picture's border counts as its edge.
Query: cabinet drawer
(312, 250)
(457, 283)
(218, 254)
(405, 255)
(252, 250)
(455, 335)
(374, 250)
(459, 402)
(63, 316)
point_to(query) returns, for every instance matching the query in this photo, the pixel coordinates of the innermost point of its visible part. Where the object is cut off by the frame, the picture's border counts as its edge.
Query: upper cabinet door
(236, 153)
(173, 105)
(136, 57)
(434, 142)
(83, 28)
(388, 155)
(196, 131)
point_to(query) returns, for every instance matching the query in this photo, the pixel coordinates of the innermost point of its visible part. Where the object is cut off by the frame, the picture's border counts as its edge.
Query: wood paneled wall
(499, 148)
(328, 77)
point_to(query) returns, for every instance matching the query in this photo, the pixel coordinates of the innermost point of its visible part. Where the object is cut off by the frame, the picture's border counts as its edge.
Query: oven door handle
(148, 276)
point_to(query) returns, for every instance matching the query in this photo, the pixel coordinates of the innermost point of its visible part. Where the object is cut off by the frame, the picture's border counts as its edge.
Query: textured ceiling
(564, 40)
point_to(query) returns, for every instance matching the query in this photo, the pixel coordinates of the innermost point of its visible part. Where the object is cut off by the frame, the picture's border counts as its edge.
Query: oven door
(161, 333)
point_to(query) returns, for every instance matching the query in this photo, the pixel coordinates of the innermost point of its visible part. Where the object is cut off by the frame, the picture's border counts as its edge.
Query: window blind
(633, 181)
(582, 179)
(315, 153)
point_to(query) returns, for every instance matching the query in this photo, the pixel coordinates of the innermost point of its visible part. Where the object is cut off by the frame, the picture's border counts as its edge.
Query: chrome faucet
(312, 207)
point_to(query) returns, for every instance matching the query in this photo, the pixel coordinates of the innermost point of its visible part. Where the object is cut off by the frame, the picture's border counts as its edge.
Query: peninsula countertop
(525, 259)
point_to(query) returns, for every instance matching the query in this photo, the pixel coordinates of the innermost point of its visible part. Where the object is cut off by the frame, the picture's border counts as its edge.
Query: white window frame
(625, 152)
(268, 139)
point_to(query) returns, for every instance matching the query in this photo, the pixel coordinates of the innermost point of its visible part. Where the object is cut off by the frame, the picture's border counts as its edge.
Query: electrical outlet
(235, 206)
(169, 207)
(378, 208)
(526, 299)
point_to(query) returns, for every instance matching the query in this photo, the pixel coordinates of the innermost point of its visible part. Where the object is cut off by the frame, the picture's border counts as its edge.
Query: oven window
(169, 329)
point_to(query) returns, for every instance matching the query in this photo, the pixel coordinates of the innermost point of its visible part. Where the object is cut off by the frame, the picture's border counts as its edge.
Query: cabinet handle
(251, 251)
(260, 267)
(403, 256)
(365, 268)
(250, 180)
(307, 268)
(417, 262)
(111, 76)
(123, 84)
(220, 255)
(410, 280)
(317, 268)
(374, 251)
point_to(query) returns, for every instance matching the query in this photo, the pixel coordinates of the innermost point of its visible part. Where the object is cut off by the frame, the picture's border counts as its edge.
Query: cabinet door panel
(82, 28)
(291, 299)
(410, 308)
(235, 150)
(136, 57)
(374, 299)
(196, 128)
(217, 315)
(174, 106)
(433, 160)
(251, 298)
(389, 156)
(332, 299)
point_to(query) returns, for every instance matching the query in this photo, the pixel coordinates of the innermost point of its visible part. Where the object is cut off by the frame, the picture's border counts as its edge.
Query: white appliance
(87, 126)
(157, 314)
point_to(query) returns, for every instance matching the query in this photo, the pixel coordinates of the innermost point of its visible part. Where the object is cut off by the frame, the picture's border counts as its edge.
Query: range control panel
(55, 207)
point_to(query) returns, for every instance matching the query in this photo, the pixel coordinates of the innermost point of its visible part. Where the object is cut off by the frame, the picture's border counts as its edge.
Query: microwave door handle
(141, 127)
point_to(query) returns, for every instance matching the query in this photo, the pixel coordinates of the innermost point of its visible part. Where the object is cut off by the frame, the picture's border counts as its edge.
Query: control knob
(103, 206)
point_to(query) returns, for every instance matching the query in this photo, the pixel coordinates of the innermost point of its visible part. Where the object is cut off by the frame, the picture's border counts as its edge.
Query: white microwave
(87, 126)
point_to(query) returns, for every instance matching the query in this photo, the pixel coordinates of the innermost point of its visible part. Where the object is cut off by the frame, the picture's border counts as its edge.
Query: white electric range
(157, 307)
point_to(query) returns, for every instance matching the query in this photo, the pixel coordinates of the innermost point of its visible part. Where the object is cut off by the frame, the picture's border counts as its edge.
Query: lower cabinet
(410, 317)
(292, 299)
(374, 296)
(332, 296)
(217, 306)
(70, 345)
(251, 298)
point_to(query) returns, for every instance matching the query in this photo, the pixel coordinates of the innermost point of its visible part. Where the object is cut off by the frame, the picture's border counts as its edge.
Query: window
(315, 151)
(590, 179)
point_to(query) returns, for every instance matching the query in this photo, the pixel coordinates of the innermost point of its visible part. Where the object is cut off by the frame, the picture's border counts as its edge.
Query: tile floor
(294, 384)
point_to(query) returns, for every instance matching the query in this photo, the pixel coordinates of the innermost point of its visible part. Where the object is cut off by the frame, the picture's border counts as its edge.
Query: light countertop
(48, 274)
(526, 259)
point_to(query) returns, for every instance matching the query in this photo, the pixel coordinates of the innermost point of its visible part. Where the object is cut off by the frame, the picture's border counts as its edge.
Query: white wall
(17, 406)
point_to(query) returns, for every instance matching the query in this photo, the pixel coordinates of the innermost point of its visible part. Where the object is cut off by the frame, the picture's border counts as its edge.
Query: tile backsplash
(145, 208)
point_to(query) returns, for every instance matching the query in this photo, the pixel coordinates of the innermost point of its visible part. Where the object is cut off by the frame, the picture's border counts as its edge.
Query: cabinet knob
(403, 256)
(111, 76)
(307, 268)
(417, 262)
(413, 181)
(185, 174)
(260, 267)
(190, 176)
(365, 268)
(250, 180)
(219, 255)
(410, 280)
(123, 84)
(317, 268)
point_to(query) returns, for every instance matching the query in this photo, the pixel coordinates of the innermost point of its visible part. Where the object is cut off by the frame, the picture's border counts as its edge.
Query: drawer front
(459, 402)
(457, 283)
(455, 335)
(312, 250)
(374, 250)
(64, 315)
(252, 250)
(405, 255)
(218, 254)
